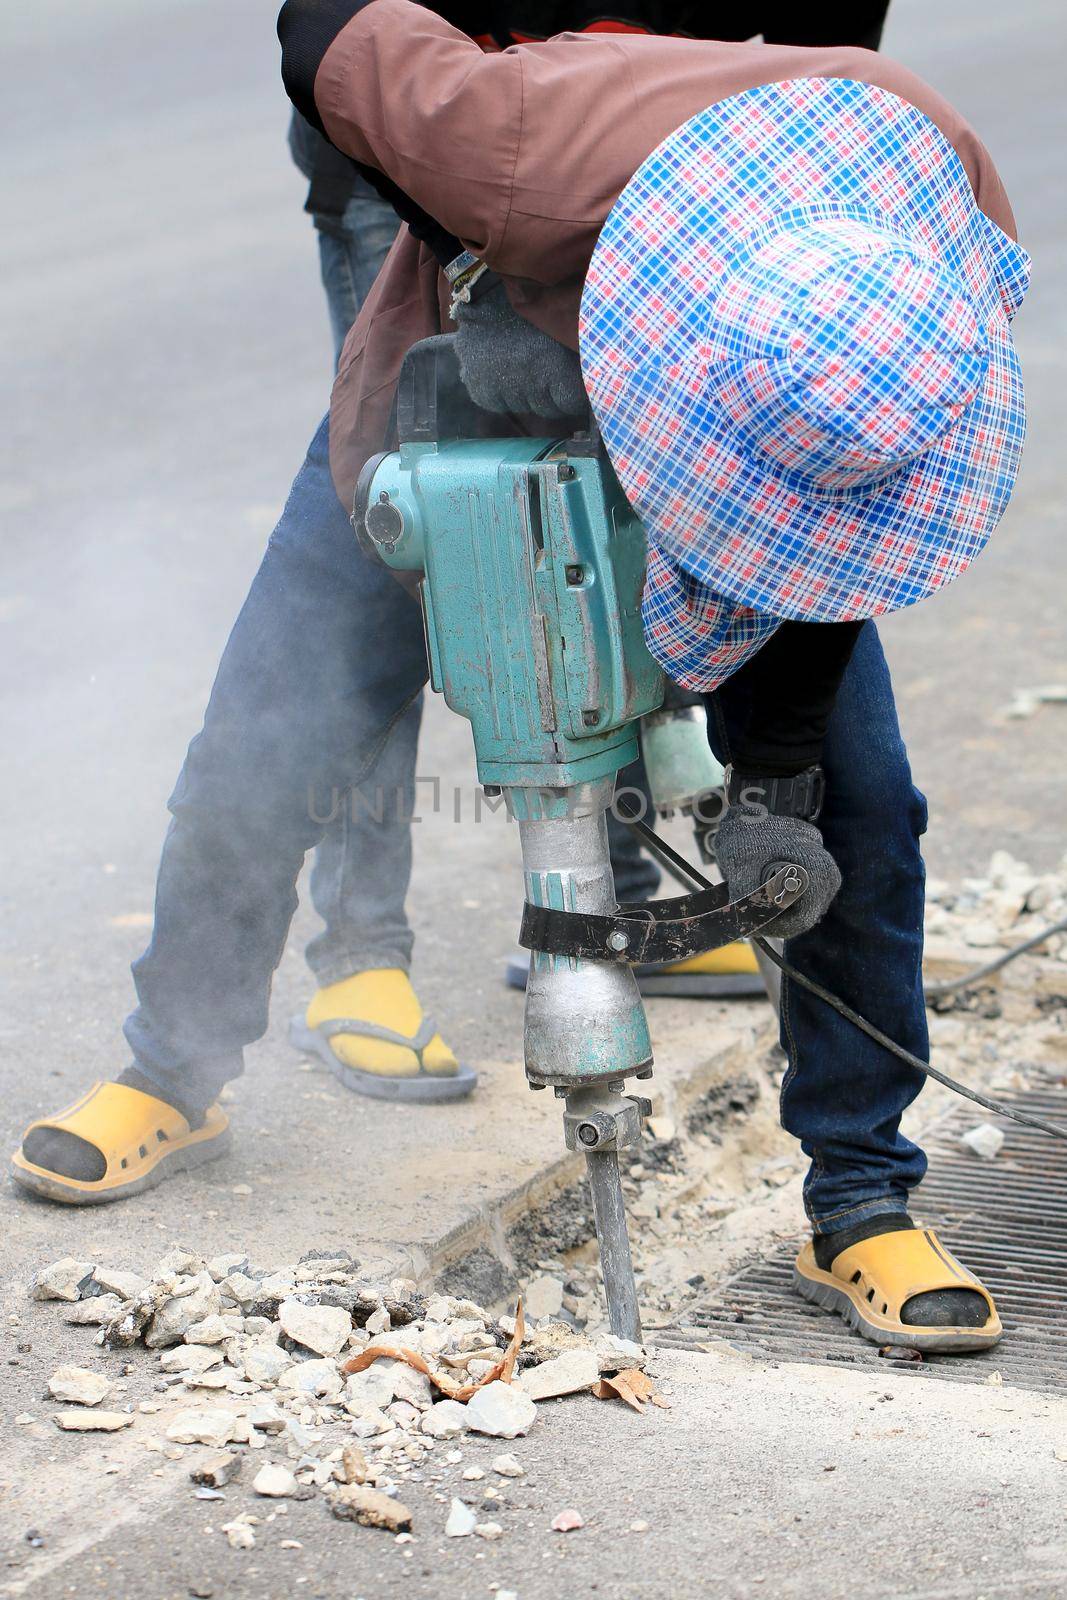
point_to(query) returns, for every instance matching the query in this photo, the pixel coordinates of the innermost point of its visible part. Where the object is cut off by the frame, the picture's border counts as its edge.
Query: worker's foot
(371, 1032)
(897, 1284)
(725, 974)
(117, 1140)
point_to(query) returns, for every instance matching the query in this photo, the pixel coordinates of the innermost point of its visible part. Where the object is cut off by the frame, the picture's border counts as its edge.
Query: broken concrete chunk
(444, 1420)
(508, 1467)
(543, 1298)
(983, 1140)
(274, 1482)
(461, 1520)
(500, 1410)
(190, 1358)
(408, 1385)
(217, 1470)
(488, 1530)
(201, 1427)
(127, 1285)
(92, 1421)
(265, 1363)
(65, 1279)
(569, 1373)
(266, 1418)
(239, 1287)
(370, 1423)
(317, 1377)
(212, 1330)
(179, 1262)
(324, 1329)
(78, 1386)
(372, 1389)
(355, 1502)
(183, 1311)
(95, 1312)
(221, 1266)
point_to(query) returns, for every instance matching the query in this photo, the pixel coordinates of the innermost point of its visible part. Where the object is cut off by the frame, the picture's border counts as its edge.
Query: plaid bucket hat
(795, 336)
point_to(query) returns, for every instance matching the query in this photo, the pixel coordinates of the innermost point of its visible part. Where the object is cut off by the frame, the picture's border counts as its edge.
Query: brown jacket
(521, 155)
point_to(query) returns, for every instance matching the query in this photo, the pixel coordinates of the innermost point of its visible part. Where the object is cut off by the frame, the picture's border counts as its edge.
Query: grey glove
(750, 848)
(509, 365)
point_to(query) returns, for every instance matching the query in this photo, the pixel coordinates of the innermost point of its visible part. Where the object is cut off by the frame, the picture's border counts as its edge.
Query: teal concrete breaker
(531, 567)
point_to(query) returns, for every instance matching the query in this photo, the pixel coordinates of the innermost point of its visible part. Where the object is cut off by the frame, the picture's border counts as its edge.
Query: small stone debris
(567, 1521)
(473, 1474)
(567, 1374)
(488, 1530)
(216, 1471)
(983, 1140)
(500, 1410)
(508, 1467)
(461, 1521)
(274, 1482)
(323, 1329)
(202, 1427)
(240, 1534)
(65, 1279)
(640, 1526)
(77, 1386)
(92, 1421)
(353, 1502)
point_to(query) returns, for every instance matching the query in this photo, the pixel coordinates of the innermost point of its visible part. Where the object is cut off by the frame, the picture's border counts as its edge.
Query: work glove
(750, 847)
(509, 365)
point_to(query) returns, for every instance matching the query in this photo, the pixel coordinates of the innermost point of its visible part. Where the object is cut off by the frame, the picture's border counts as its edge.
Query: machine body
(532, 566)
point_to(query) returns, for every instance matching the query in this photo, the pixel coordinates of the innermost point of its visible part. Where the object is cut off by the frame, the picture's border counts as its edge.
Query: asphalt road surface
(166, 359)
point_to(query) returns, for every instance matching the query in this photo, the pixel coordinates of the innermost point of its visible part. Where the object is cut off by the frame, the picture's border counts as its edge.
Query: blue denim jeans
(324, 664)
(843, 1095)
(362, 868)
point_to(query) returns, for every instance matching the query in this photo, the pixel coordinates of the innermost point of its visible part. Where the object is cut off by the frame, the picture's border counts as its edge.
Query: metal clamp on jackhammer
(661, 931)
(530, 565)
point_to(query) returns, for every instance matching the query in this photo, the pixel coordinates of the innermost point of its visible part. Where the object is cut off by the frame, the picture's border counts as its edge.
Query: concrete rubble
(247, 1364)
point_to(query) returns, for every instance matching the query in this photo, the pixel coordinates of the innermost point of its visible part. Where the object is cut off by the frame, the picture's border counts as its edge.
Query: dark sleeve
(792, 684)
(819, 22)
(307, 29)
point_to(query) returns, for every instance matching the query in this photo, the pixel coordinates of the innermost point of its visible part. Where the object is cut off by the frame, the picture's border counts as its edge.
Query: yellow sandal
(871, 1281)
(142, 1141)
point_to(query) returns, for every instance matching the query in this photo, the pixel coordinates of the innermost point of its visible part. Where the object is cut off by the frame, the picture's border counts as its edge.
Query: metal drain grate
(1006, 1219)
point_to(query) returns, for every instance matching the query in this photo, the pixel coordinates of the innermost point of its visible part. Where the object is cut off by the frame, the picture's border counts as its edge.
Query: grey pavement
(166, 360)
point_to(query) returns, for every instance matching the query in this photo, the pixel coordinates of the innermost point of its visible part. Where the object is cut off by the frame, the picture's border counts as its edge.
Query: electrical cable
(678, 863)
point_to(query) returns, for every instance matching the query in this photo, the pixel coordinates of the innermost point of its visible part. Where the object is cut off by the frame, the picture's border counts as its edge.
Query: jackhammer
(531, 566)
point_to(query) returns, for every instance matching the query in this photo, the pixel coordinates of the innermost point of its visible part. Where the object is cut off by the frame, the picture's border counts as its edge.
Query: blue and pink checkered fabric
(794, 333)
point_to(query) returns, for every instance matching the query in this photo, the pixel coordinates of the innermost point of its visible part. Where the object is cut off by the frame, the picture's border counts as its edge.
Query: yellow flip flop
(871, 1281)
(142, 1141)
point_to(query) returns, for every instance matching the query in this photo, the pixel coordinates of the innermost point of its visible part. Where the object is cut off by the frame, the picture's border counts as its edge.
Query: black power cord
(677, 864)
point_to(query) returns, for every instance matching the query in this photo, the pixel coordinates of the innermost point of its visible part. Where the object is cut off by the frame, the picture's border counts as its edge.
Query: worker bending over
(795, 272)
